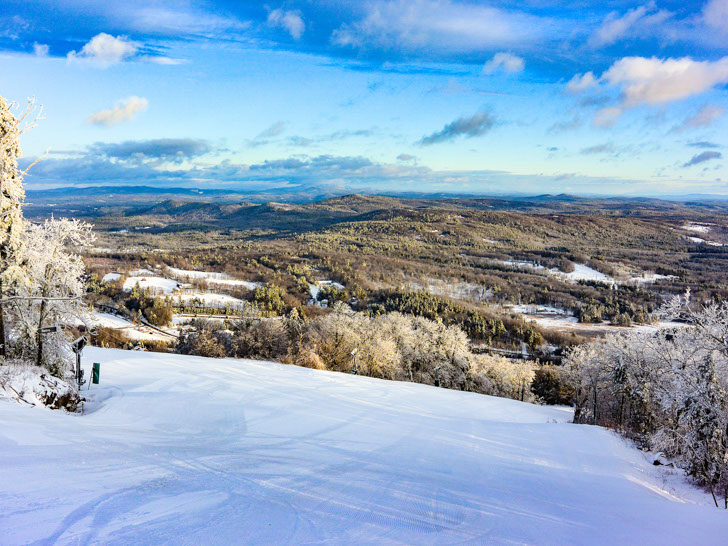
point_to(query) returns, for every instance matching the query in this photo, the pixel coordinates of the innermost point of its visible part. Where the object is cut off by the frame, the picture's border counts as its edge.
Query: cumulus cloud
(105, 50)
(124, 110)
(504, 61)
(166, 149)
(636, 20)
(704, 117)
(290, 21)
(582, 82)
(468, 127)
(407, 157)
(702, 158)
(658, 81)
(654, 81)
(439, 27)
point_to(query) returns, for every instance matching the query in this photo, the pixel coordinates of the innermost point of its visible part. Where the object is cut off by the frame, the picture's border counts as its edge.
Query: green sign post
(96, 373)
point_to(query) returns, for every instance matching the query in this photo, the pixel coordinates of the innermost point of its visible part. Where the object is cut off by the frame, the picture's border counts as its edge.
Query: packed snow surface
(187, 450)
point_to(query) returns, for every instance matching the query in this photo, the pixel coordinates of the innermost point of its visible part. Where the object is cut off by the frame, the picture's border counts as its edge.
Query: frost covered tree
(666, 389)
(12, 196)
(51, 290)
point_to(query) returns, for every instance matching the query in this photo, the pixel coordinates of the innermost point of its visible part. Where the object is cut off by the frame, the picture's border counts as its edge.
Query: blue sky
(610, 97)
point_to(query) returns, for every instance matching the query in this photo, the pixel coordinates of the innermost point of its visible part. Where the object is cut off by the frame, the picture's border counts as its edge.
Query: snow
(213, 300)
(698, 228)
(542, 310)
(189, 273)
(107, 320)
(314, 289)
(32, 386)
(549, 317)
(648, 278)
(581, 272)
(451, 288)
(188, 450)
(212, 278)
(585, 273)
(141, 272)
(156, 284)
(529, 265)
(235, 282)
(128, 329)
(111, 277)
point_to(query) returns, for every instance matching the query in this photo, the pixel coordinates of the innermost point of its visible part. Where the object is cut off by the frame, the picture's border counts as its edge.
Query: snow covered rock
(36, 387)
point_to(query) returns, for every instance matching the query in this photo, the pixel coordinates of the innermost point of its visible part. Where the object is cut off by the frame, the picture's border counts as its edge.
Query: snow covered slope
(186, 450)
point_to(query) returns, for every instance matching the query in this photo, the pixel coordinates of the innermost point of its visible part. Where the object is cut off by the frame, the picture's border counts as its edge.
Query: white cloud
(704, 117)
(659, 81)
(291, 21)
(124, 110)
(106, 50)
(582, 82)
(615, 27)
(40, 50)
(440, 27)
(715, 14)
(167, 61)
(636, 22)
(506, 61)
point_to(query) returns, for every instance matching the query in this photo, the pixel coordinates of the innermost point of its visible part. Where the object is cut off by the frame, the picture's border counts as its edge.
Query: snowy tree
(666, 389)
(11, 199)
(51, 289)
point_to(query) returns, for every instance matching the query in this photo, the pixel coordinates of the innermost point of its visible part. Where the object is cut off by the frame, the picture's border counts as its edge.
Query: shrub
(549, 386)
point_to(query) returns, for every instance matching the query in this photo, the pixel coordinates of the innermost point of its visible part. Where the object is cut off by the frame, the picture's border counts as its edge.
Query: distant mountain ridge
(193, 205)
